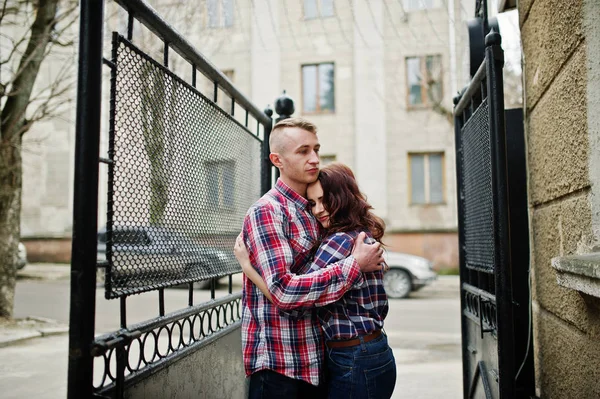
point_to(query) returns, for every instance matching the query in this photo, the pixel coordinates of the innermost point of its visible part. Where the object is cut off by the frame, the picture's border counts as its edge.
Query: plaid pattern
(361, 310)
(279, 232)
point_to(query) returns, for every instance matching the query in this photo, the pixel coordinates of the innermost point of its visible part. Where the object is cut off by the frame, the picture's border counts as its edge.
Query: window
(220, 13)
(318, 9)
(413, 5)
(426, 178)
(424, 80)
(318, 89)
(327, 159)
(221, 183)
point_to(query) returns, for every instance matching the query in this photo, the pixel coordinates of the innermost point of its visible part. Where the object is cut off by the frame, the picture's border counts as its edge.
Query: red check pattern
(279, 232)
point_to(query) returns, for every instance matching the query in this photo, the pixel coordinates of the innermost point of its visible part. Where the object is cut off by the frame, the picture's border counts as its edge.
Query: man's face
(299, 158)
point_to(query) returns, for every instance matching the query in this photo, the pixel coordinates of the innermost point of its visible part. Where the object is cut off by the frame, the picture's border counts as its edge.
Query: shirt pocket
(301, 244)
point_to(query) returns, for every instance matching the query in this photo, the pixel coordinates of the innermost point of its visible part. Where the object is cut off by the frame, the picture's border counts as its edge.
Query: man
(283, 355)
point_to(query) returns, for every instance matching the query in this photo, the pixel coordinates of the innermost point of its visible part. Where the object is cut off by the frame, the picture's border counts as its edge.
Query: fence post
(85, 202)
(284, 106)
(266, 167)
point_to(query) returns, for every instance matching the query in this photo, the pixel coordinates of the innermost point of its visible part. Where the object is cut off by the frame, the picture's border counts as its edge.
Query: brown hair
(347, 207)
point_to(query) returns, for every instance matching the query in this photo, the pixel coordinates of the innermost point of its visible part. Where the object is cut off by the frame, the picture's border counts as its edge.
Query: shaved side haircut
(276, 140)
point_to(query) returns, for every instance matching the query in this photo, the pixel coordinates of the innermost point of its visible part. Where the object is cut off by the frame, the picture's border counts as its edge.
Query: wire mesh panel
(477, 191)
(184, 173)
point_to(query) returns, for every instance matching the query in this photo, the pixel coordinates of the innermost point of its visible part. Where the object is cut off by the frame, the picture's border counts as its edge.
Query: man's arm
(272, 255)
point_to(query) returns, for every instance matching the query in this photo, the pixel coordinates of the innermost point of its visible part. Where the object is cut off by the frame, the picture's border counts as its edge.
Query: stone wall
(556, 51)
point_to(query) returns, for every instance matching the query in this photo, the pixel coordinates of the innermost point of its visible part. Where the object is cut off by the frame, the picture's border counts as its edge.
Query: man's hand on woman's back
(368, 256)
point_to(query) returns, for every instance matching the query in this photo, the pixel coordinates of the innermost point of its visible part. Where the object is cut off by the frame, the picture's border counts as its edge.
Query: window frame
(407, 8)
(318, 110)
(219, 12)
(426, 177)
(220, 166)
(425, 103)
(319, 11)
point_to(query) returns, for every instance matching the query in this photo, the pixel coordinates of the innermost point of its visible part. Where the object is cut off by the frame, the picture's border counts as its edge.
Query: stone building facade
(391, 62)
(561, 50)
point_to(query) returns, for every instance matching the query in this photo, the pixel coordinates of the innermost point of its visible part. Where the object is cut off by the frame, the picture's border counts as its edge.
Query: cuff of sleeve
(352, 273)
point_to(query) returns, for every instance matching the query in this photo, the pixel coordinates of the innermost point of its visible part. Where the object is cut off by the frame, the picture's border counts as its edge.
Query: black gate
(181, 173)
(493, 237)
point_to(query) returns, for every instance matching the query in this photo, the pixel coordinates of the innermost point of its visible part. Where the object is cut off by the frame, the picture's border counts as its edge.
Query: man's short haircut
(275, 140)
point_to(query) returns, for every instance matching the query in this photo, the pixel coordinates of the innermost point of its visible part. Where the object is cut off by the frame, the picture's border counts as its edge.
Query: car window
(130, 237)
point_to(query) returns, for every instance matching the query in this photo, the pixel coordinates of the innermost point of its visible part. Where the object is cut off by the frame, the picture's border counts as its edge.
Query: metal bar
(232, 107)
(478, 292)
(106, 161)
(161, 301)
(215, 92)
(85, 200)
(166, 54)
(191, 295)
(471, 89)
(160, 321)
(194, 75)
(123, 302)
(265, 151)
(150, 18)
(130, 22)
(212, 288)
(504, 310)
(230, 284)
(120, 381)
(108, 63)
(463, 271)
(111, 166)
(246, 124)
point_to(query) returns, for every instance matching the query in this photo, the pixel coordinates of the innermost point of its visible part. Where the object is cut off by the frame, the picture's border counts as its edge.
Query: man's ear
(275, 159)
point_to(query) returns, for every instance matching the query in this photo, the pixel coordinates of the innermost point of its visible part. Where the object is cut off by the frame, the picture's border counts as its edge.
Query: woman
(360, 363)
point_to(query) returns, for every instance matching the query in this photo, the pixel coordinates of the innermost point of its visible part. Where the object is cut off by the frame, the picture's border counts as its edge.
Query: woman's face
(314, 192)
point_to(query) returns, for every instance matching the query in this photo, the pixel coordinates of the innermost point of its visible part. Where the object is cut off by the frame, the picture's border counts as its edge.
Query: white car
(22, 261)
(407, 273)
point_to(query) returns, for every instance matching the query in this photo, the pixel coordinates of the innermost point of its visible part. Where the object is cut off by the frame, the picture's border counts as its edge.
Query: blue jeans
(267, 384)
(364, 371)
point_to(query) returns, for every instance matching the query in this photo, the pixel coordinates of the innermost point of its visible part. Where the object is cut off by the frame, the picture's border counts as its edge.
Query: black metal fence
(494, 263)
(181, 174)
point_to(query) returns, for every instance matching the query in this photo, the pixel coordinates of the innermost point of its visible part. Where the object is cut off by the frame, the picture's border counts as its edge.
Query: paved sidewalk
(13, 332)
(45, 271)
(423, 331)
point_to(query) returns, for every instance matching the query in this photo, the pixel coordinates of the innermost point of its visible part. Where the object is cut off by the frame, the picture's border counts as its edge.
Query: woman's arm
(241, 254)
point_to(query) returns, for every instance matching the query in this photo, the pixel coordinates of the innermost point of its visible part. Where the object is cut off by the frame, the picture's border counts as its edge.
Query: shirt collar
(290, 194)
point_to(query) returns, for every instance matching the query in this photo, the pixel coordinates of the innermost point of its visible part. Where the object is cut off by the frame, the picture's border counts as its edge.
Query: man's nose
(314, 158)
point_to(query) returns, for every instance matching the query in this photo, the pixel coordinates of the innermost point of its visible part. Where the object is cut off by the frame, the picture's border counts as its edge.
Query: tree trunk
(10, 212)
(13, 125)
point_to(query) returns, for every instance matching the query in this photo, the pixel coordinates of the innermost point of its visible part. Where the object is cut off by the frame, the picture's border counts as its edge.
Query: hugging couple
(313, 299)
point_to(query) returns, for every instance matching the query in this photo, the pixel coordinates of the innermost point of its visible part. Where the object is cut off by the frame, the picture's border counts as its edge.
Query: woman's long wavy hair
(347, 207)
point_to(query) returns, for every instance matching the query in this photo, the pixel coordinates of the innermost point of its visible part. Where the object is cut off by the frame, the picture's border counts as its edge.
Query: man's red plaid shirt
(279, 232)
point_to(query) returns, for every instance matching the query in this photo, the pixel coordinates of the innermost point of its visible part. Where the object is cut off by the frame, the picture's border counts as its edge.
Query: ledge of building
(579, 272)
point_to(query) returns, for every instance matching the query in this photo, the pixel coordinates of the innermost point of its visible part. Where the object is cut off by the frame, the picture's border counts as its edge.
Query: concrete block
(557, 136)
(557, 231)
(566, 359)
(552, 31)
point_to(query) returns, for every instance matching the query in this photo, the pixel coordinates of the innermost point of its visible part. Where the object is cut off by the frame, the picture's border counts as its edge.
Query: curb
(17, 331)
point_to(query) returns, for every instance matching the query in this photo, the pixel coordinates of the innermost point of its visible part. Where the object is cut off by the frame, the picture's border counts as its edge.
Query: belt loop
(363, 347)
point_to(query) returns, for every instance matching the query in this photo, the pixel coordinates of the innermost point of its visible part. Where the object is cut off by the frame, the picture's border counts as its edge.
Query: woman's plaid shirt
(361, 310)
(279, 232)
